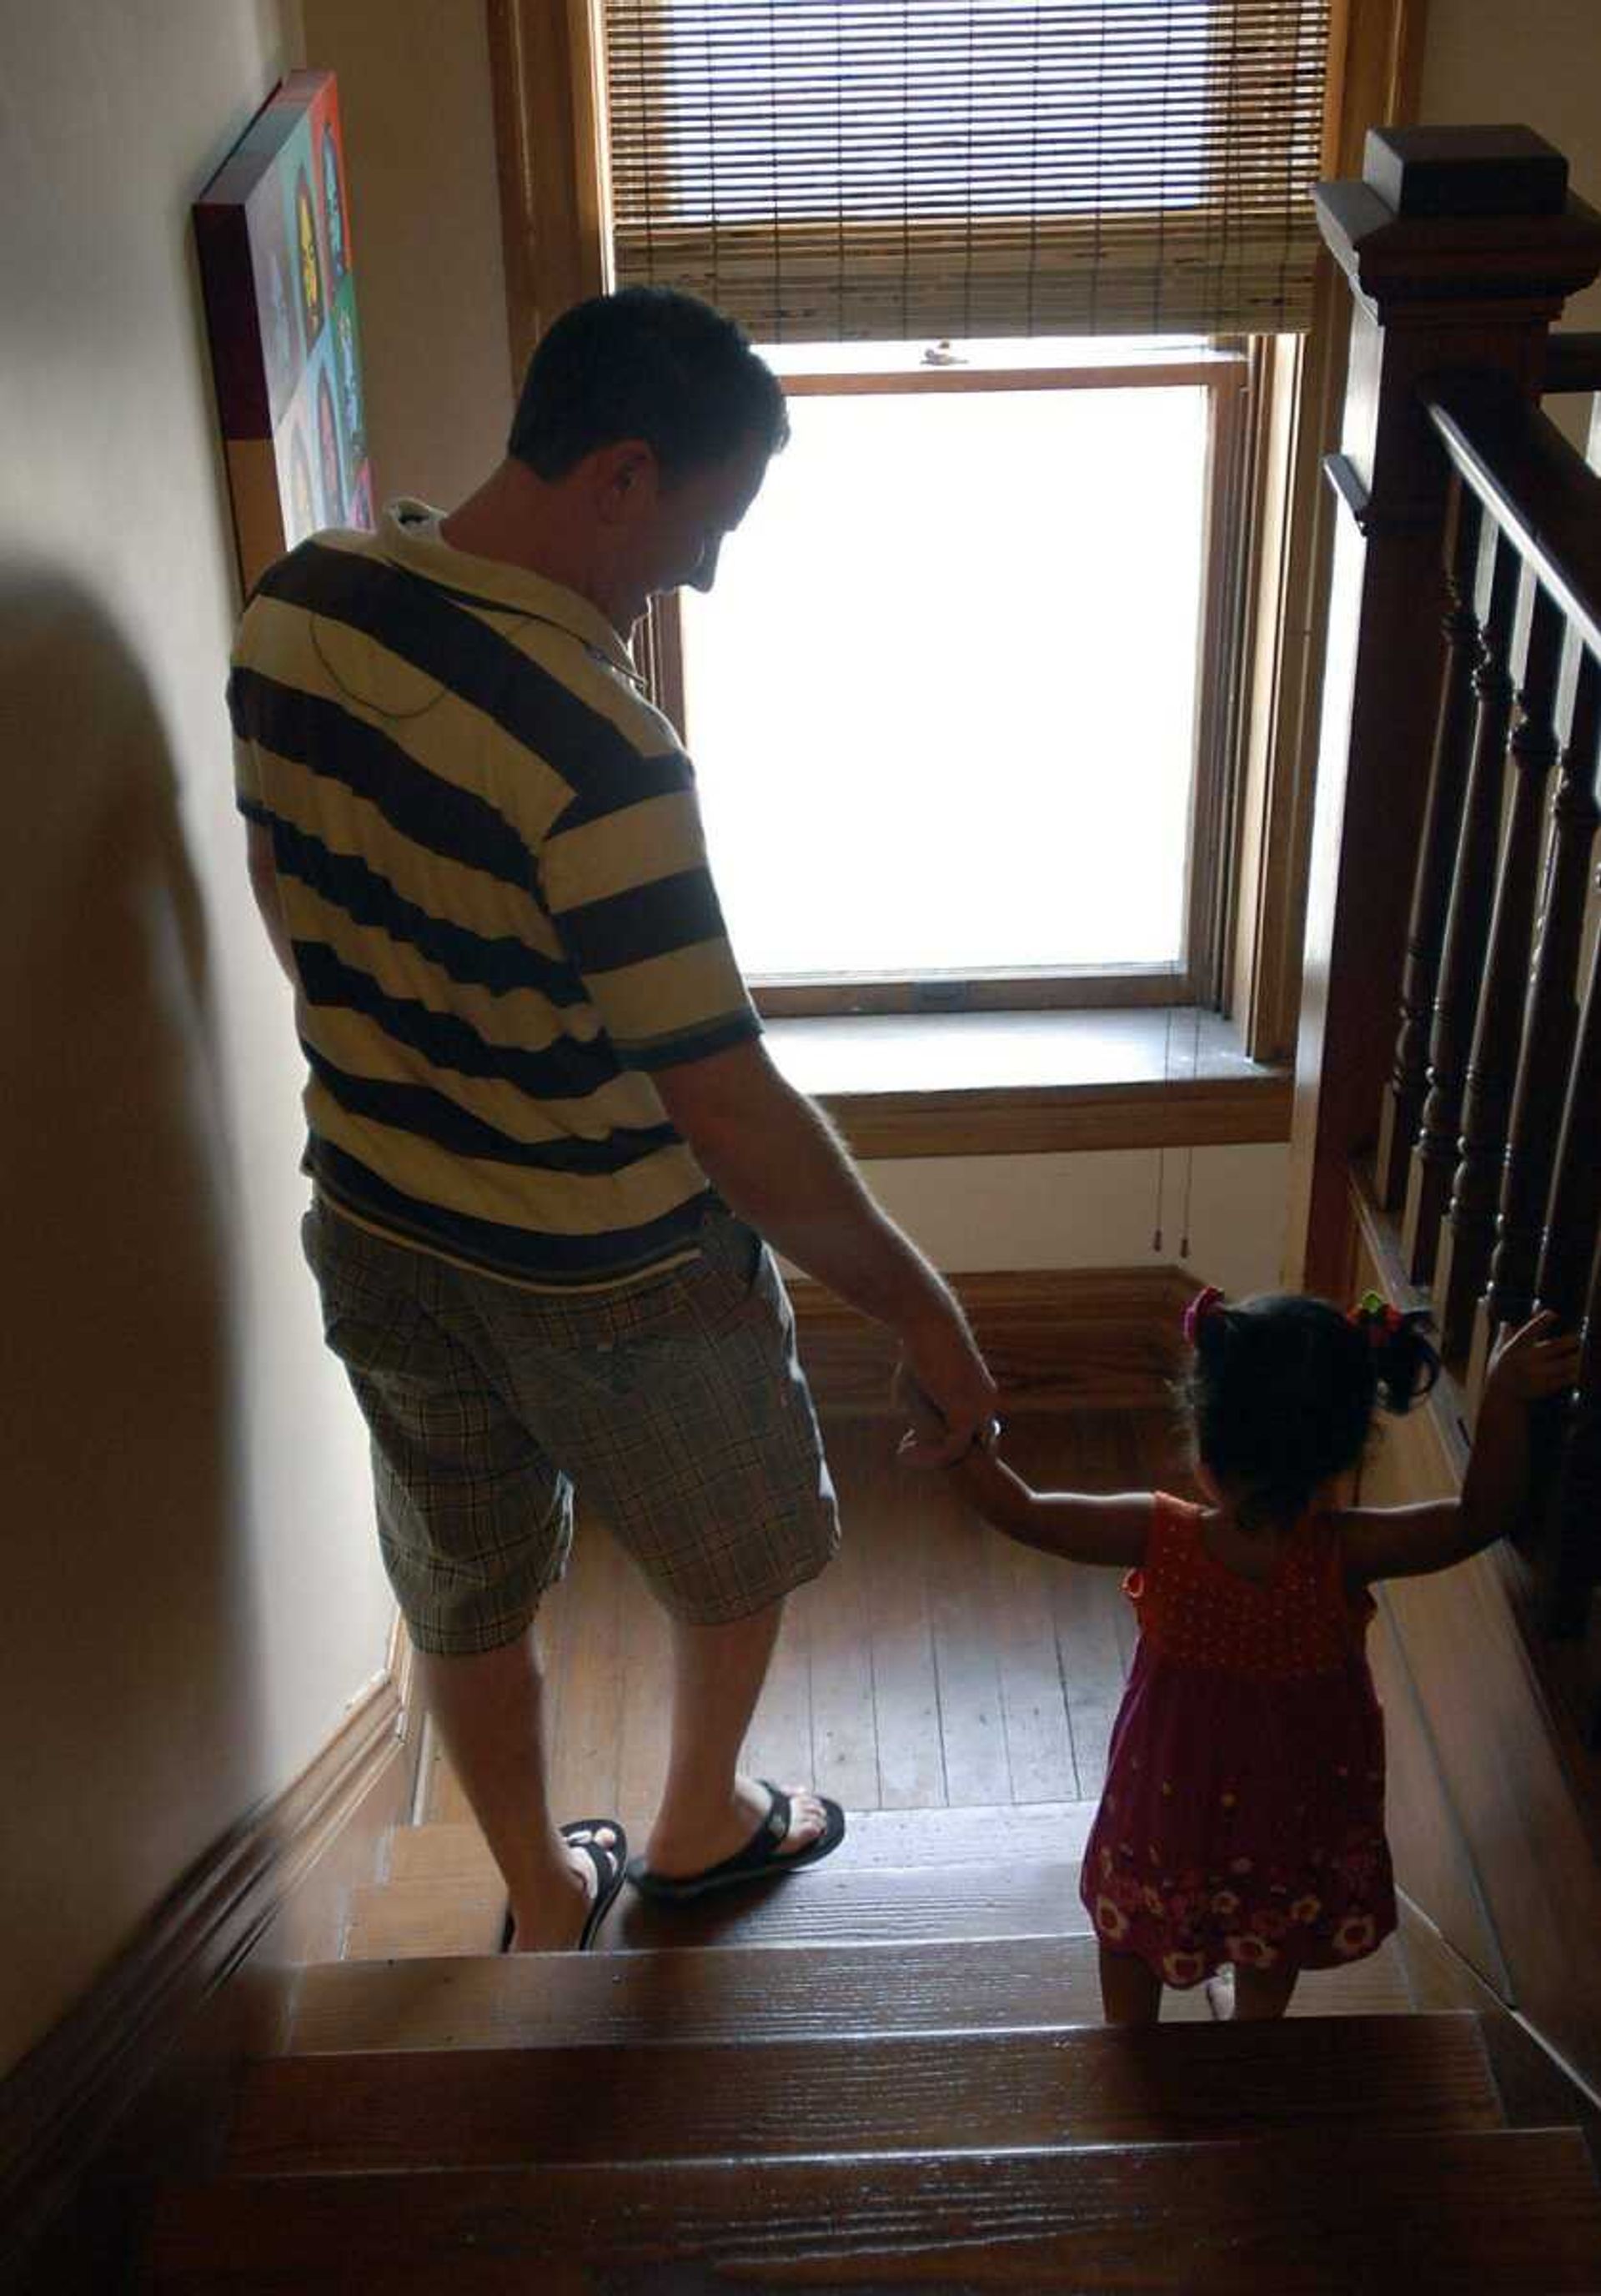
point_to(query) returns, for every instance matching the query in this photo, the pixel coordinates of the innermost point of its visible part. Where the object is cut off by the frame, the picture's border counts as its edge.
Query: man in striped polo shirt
(545, 1140)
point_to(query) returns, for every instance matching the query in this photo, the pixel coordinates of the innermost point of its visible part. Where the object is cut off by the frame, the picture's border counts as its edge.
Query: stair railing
(1500, 1192)
(1457, 814)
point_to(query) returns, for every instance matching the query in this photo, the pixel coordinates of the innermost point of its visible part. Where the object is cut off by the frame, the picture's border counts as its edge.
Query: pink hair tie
(1205, 1304)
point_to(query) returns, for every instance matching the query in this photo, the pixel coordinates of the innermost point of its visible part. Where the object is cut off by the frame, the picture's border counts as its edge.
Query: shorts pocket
(725, 1281)
(371, 1326)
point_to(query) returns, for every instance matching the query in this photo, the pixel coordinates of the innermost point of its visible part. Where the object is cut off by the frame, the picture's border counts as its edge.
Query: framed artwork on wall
(272, 233)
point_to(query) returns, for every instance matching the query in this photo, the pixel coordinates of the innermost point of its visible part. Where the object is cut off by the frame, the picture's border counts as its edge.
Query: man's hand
(941, 1385)
(1533, 1362)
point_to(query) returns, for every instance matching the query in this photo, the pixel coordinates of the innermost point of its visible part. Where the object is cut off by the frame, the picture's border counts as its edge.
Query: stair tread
(1502, 2214)
(372, 2110)
(527, 1999)
(829, 1903)
(967, 1835)
(443, 1890)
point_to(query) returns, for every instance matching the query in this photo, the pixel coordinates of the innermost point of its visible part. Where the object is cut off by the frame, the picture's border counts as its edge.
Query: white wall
(192, 1597)
(974, 1213)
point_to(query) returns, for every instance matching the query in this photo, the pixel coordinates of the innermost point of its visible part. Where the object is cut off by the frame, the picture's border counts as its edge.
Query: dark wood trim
(136, 2075)
(1498, 1802)
(1101, 1338)
(543, 64)
(1223, 372)
(1376, 58)
(1205, 1113)
(1537, 487)
(830, 996)
(1225, 375)
(1572, 361)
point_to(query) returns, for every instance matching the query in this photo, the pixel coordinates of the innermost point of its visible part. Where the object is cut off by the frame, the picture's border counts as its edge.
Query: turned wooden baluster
(1468, 1235)
(1549, 1027)
(1573, 1210)
(1573, 1534)
(1400, 1111)
(1565, 1283)
(1457, 996)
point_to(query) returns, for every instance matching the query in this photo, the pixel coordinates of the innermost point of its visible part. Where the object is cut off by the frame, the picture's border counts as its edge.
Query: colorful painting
(272, 231)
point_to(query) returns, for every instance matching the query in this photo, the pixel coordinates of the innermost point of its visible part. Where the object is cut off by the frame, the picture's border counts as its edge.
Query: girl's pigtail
(1205, 1324)
(1405, 1362)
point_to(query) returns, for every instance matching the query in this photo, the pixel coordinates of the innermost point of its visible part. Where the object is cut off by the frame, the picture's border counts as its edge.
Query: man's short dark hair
(646, 363)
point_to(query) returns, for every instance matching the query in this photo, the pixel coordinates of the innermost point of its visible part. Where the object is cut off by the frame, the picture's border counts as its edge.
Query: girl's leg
(1131, 1992)
(1262, 1993)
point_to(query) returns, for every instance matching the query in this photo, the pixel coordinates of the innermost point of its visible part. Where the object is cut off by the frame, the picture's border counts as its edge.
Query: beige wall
(191, 1597)
(1536, 63)
(420, 137)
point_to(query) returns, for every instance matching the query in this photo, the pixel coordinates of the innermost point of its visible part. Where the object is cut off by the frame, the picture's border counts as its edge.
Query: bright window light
(941, 702)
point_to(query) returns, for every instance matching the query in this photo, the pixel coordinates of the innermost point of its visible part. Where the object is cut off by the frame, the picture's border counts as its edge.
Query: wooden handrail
(1538, 489)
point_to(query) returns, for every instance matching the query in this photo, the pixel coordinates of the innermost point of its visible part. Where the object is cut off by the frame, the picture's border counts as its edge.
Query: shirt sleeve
(630, 893)
(247, 763)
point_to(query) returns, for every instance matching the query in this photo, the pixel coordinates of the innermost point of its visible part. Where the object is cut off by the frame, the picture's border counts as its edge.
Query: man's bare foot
(673, 1851)
(556, 1925)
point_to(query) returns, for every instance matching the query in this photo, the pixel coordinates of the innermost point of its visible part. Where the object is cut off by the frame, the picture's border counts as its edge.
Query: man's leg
(708, 1810)
(489, 1711)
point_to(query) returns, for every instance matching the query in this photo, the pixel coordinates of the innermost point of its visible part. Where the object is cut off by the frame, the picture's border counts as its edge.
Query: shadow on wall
(127, 1698)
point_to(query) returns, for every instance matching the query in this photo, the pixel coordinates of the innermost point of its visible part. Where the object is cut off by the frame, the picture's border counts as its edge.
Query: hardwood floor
(934, 1665)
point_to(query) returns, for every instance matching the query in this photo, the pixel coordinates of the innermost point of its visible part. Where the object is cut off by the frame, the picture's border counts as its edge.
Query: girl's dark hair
(1282, 1391)
(646, 363)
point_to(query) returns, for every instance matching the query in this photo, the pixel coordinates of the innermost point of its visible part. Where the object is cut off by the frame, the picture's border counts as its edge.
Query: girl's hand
(911, 1400)
(1533, 1362)
(926, 1430)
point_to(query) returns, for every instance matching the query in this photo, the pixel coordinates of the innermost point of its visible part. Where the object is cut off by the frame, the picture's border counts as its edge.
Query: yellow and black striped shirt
(492, 870)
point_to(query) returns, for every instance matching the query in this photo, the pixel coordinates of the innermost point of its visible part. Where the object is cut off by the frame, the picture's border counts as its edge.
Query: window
(899, 172)
(1048, 818)
(952, 717)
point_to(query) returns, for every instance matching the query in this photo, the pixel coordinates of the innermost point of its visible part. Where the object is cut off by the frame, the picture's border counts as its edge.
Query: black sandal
(610, 1862)
(762, 1859)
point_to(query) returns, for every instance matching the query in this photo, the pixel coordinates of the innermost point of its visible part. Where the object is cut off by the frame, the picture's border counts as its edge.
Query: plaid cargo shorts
(676, 1407)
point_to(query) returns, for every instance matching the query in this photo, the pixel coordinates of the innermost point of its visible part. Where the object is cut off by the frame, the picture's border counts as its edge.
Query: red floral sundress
(1243, 1818)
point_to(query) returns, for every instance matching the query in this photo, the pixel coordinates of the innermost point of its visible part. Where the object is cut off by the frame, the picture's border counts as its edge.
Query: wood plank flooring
(936, 1665)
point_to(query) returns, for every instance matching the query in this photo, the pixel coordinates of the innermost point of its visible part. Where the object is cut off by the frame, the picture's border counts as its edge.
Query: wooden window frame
(1224, 375)
(546, 60)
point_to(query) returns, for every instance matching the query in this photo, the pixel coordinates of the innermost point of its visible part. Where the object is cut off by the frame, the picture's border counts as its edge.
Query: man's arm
(771, 1154)
(264, 884)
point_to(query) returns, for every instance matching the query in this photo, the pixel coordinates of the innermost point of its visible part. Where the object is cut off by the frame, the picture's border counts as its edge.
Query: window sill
(1007, 1084)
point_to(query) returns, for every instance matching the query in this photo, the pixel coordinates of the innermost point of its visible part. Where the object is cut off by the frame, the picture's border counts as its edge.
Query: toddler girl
(1243, 1818)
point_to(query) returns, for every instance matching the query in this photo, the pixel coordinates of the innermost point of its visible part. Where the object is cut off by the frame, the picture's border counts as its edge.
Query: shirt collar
(410, 537)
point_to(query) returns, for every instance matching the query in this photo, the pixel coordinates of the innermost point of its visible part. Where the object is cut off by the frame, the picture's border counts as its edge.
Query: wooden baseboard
(135, 2078)
(1083, 1338)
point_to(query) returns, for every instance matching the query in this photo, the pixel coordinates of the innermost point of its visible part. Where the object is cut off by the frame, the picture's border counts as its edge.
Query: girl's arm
(1072, 1524)
(1407, 1542)
(1076, 1525)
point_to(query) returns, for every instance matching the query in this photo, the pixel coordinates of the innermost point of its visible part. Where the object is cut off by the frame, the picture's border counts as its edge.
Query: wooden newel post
(1461, 245)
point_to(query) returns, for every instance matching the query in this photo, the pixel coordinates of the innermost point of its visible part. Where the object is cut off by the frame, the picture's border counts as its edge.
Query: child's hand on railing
(1533, 1362)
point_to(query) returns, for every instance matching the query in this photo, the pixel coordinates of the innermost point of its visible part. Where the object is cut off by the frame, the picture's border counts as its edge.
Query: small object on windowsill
(942, 354)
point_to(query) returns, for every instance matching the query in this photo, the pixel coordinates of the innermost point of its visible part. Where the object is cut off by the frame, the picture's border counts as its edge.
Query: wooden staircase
(889, 2071)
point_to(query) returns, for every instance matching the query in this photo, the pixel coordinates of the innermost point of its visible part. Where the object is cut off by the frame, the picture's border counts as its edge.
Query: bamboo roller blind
(894, 169)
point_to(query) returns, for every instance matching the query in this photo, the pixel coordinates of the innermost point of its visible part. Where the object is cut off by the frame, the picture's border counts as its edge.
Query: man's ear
(625, 477)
